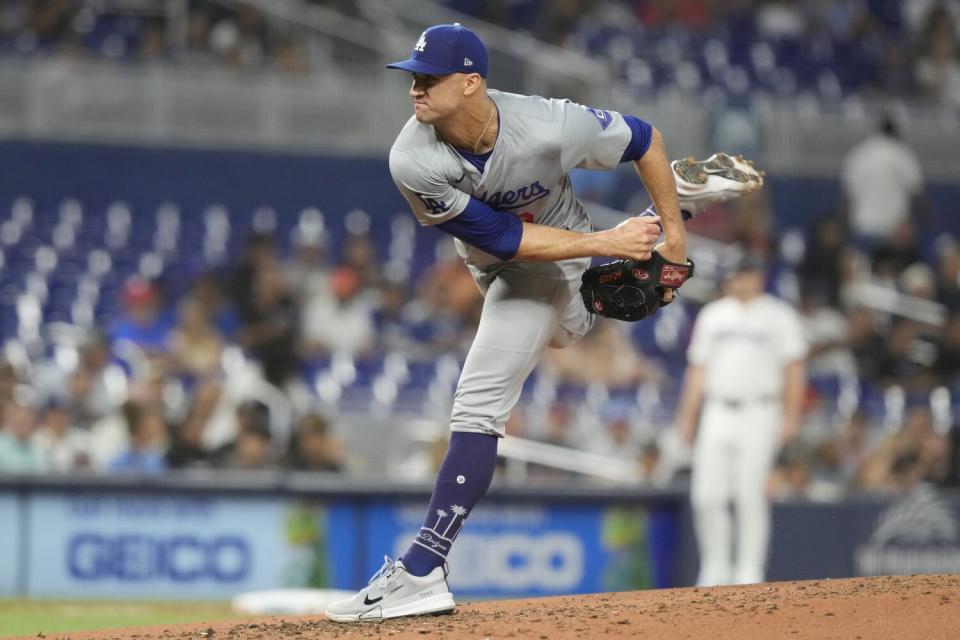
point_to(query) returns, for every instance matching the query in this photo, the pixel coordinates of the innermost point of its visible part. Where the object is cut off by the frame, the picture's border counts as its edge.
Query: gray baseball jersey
(527, 306)
(540, 140)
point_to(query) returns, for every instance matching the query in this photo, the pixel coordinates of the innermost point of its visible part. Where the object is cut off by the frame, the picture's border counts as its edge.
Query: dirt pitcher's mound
(899, 608)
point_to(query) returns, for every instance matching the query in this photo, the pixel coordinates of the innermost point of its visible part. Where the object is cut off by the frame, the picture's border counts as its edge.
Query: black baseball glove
(632, 289)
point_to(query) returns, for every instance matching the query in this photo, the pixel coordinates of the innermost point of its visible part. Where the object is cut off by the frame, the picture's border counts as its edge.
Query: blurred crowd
(240, 37)
(210, 379)
(903, 48)
(218, 372)
(907, 48)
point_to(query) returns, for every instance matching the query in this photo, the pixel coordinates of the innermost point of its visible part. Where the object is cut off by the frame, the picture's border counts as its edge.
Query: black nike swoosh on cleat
(368, 601)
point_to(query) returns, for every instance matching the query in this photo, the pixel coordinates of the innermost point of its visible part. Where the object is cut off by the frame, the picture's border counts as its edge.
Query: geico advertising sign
(526, 549)
(153, 546)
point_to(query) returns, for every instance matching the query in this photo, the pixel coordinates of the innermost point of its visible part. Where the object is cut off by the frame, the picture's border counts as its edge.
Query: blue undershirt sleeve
(496, 232)
(640, 140)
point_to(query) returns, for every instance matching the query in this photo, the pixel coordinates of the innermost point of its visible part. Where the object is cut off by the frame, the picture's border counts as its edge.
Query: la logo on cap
(421, 43)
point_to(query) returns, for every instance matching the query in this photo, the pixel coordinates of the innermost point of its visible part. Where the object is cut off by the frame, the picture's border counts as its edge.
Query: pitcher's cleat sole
(737, 169)
(721, 177)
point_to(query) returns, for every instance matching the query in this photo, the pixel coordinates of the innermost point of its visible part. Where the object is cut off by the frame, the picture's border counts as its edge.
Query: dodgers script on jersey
(540, 140)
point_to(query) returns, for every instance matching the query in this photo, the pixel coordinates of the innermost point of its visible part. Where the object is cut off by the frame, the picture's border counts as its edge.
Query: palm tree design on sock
(441, 514)
(457, 511)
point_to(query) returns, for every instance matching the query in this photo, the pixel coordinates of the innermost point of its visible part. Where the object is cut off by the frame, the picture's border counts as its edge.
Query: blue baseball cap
(444, 49)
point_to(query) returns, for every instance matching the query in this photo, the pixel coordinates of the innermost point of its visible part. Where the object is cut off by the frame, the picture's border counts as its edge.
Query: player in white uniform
(745, 380)
(490, 168)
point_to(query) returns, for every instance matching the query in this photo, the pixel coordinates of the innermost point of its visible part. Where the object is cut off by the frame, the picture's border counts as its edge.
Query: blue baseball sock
(464, 478)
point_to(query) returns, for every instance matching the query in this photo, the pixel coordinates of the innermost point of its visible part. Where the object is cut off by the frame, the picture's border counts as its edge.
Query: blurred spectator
(947, 365)
(147, 445)
(9, 380)
(342, 322)
(791, 475)
(153, 44)
(604, 356)
(896, 75)
(253, 446)
(290, 56)
(948, 272)
(826, 332)
(889, 258)
(559, 424)
(558, 20)
(259, 254)
(270, 325)
(447, 305)
(882, 180)
(921, 16)
(919, 281)
(195, 344)
(198, 30)
(916, 453)
(187, 439)
(205, 292)
(907, 357)
(308, 270)
(617, 437)
(938, 71)
(314, 448)
(865, 342)
(392, 326)
(240, 39)
(92, 387)
(822, 265)
(19, 453)
(648, 463)
(49, 20)
(360, 256)
(752, 222)
(853, 445)
(252, 449)
(143, 321)
(780, 19)
(66, 447)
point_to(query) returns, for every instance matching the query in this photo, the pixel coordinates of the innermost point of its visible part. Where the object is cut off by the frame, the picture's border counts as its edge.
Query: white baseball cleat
(392, 592)
(720, 177)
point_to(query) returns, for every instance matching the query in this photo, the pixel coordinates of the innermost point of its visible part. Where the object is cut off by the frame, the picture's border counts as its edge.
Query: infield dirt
(898, 608)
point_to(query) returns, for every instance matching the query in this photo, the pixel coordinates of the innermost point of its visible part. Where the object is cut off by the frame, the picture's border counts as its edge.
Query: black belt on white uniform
(741, 403)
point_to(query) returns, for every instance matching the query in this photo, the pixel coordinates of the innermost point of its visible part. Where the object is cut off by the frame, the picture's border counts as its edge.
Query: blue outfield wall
(182, 539)
(862, 536)
(110, 540)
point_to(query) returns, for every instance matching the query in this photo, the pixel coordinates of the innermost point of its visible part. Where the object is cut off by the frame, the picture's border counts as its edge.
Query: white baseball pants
(732, 458)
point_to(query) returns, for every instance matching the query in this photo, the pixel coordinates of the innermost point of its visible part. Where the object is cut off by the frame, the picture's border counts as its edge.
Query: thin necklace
(484, 130)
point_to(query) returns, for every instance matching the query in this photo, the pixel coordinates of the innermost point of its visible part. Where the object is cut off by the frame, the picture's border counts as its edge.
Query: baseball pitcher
(490, 168)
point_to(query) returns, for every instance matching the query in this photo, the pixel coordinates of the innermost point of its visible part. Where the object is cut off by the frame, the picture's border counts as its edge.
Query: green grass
(29, 617)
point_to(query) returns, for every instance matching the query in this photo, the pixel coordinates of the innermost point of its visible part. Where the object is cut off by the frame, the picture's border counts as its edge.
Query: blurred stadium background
(228, 352)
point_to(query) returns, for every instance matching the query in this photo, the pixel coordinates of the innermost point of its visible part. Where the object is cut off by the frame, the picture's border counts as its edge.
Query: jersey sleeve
(431, 197)
(592, 138)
